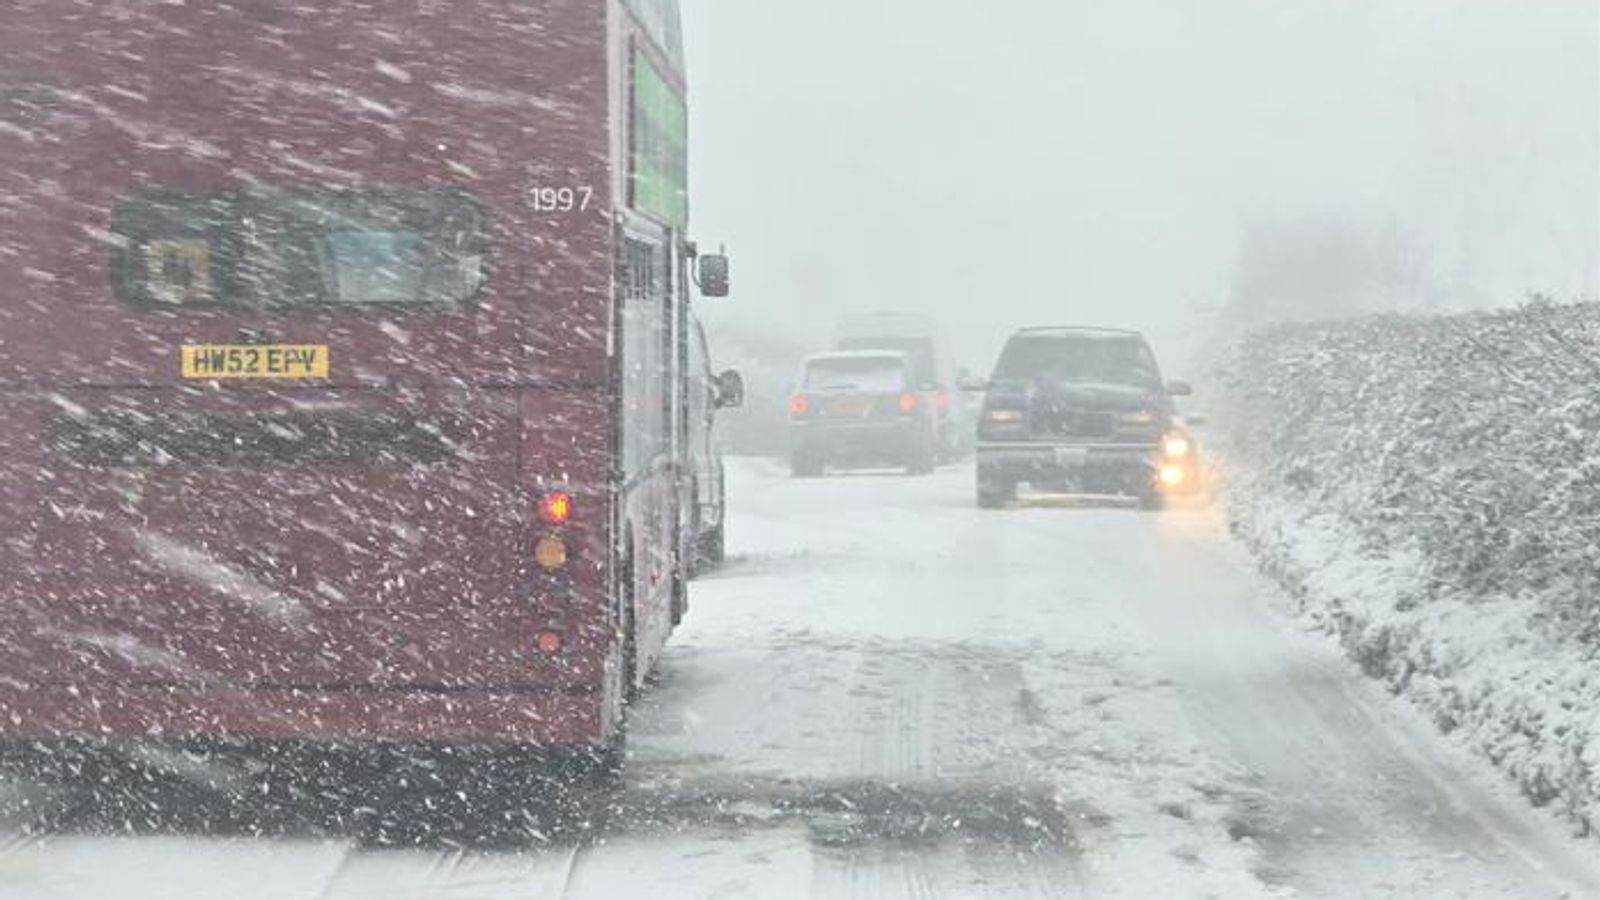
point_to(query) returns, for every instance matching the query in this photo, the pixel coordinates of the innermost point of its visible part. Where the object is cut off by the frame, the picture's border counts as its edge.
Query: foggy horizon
(1101, 164)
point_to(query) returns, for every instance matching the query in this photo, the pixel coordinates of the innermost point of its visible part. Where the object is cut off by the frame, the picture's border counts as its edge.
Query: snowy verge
(1428, 489)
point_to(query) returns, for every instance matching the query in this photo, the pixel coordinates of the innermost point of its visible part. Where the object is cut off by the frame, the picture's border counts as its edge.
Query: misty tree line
(1470, 442)
(1475, 436)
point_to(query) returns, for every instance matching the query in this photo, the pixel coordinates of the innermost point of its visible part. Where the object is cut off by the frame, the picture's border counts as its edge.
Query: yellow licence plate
(255, 361)
(849, 406)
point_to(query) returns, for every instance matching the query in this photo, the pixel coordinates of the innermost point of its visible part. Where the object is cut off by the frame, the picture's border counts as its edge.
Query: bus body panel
(191, 712)
(308, 97)
(338, 558)
(348, 556)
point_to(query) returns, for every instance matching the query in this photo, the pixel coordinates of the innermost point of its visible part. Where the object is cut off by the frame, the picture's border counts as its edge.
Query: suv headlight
(1176, 445)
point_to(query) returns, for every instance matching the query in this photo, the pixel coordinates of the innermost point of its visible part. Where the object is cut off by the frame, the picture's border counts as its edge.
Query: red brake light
(549, 643)
(798, 405)
(908, 403)
(556, 507)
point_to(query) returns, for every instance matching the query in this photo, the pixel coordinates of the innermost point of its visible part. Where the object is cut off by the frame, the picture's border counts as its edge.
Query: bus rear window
(281, 249)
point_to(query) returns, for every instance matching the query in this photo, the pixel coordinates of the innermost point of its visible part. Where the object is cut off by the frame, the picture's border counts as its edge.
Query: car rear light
(556, 507)
(798, 404)
(908, 403)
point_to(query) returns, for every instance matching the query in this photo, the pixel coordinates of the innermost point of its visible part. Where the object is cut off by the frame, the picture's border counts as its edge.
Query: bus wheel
(591, 784)
(516, 792)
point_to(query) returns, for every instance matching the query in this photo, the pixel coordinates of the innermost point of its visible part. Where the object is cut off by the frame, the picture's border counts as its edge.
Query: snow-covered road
(890, 693)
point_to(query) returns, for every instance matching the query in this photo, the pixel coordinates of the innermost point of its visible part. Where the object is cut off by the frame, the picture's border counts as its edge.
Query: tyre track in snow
(455, 874)
(833, 689)
(332, 883)
(931, 707)
(904, 707)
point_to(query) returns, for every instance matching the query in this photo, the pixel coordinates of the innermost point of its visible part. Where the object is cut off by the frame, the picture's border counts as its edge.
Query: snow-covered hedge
(1429, 488)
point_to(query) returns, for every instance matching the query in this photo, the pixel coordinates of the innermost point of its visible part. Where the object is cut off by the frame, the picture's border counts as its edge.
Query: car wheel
(630, 639)
(712, 549)
(923, 460)
(805, 465)
(995, 493)
(1152, 499)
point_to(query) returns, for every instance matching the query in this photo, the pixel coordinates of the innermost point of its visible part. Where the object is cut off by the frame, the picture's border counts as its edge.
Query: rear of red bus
(294, 348)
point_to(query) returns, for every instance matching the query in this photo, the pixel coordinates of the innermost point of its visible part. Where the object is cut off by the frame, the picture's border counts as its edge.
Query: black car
(1083, 410)
(862, 408)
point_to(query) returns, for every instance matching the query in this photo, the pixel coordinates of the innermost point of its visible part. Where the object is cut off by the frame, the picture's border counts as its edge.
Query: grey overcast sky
(1009, 162)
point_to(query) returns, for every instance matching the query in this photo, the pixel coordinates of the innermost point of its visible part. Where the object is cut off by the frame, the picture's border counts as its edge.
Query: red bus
(341, 366)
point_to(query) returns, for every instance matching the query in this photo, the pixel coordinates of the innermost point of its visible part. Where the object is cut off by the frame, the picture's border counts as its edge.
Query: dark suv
(861, 408)
(1086, 410)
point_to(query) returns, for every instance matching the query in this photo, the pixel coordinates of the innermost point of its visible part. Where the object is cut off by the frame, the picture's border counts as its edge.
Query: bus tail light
(908, 403)
(555, 507)
(550, 553)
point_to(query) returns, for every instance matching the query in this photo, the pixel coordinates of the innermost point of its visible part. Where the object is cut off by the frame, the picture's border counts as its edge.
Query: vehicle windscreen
(279, 250)
(918, 350)
(1120, 361)
(866, 374)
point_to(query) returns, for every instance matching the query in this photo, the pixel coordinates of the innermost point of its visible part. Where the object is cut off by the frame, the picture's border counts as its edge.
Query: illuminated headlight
(1142, 417)
(1003, 416)
(1172, 476)
(1176, 445)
